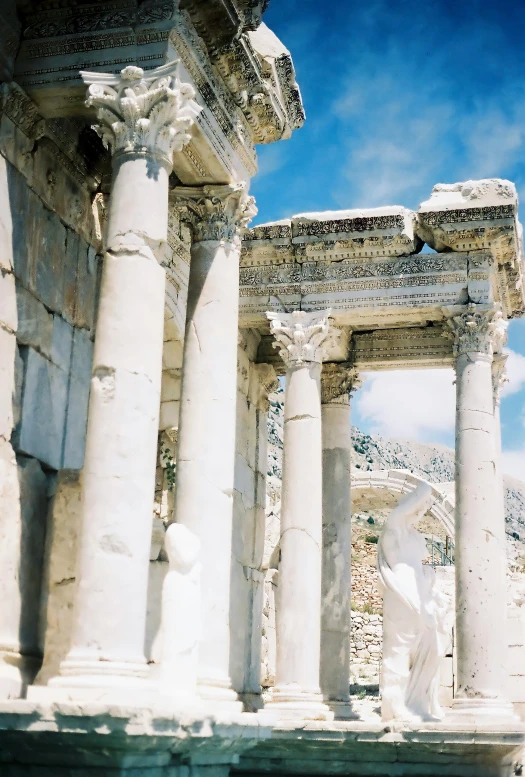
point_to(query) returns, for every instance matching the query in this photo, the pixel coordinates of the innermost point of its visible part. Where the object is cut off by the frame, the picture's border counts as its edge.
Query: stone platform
(69, 739)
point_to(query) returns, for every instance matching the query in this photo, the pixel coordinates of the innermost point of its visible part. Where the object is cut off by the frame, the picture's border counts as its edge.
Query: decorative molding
(300, 337)
(338, 380)
(362, 224)
(215, 212)
(22, 111)
(54, 22)
(308, 272)
(218, 100)
(477, 331)
(462, 215)
(142, 112)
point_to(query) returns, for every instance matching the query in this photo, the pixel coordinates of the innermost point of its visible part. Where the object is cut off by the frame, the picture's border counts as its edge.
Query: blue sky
(400, 96)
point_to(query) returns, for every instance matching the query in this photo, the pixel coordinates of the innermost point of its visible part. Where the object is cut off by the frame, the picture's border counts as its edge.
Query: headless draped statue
(176, 647)
(415, 615)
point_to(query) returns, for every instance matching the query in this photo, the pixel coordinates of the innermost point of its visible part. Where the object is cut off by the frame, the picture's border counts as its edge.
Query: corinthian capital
(216, 212)
(337, 381)
(142, 112)
(301, 337)
(478, 331)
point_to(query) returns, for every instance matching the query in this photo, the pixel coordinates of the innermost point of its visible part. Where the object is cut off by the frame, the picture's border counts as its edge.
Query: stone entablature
(243, 75)
(369, 268)
(476, 216)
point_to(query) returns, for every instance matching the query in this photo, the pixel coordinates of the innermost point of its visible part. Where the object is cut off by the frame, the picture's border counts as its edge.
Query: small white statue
(415, 615)
(176, 648)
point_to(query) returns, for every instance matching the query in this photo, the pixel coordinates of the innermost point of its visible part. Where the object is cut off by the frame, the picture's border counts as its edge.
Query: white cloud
(409, 404)
(513, 463)
(515, 373)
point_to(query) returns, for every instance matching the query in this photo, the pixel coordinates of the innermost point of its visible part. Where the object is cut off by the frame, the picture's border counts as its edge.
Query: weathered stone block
(41, 431)
(56, 618)
(20, 198)
(87, 285)
(70, 275)
(170, 385)
(8, 314)
(61, 343)
(16, 147)
(7, 382)
(35, 324)
(6, 221)
(78, 400)
(23, 502)
(169, 415)
(50, 261)
(172, 355)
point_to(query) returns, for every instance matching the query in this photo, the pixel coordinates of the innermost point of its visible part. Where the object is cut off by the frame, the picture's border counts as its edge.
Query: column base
(343, 710)
(16, 673)
(290, 702)
(219, 694)
(492, 710)
(105, 681)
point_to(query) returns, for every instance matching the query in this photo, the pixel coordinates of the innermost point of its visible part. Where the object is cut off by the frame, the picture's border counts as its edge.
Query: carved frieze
(340, 271)
(15, 103)
(79, 18)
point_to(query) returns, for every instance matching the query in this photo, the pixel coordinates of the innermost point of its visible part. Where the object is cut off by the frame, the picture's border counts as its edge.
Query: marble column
(480, 559)
(144, 118)
(206, 439)
(300, 337)
(499, 378)
(337, 381)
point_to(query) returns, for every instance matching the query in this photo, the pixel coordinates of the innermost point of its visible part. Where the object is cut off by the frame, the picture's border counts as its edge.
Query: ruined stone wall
(49, 280)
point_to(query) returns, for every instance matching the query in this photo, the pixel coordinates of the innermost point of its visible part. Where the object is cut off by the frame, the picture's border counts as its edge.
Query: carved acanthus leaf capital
(301, 337)
(338, 380)
(216, 212)
(499, 375)
(143, 112)
(477, 331)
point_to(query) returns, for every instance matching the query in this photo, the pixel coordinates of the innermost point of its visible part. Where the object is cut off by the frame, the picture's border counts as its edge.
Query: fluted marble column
(337, 381)
(300, 337)
(206, 439)
(144, 118)
(479, 551)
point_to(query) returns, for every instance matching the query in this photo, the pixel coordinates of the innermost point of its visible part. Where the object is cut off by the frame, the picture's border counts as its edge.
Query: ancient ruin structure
(137, 351)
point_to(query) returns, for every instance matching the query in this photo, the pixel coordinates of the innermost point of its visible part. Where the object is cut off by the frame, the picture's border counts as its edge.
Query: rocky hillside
(435, 463)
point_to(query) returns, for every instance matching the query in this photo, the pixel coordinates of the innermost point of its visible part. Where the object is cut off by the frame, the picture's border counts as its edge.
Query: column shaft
(337, 539)
(121, 443)
(479, 556)
(119, 470)
(206, 439)
(298, 615)
(206, 447)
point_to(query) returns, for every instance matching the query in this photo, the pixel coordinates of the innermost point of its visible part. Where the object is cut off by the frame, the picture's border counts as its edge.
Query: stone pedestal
(479, 554)
(296, 693)
(336, 382)
(106, 654)
(206, 439)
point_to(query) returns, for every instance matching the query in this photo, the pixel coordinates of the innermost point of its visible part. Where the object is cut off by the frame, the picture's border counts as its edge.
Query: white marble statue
(176, 646)
(415, 629)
